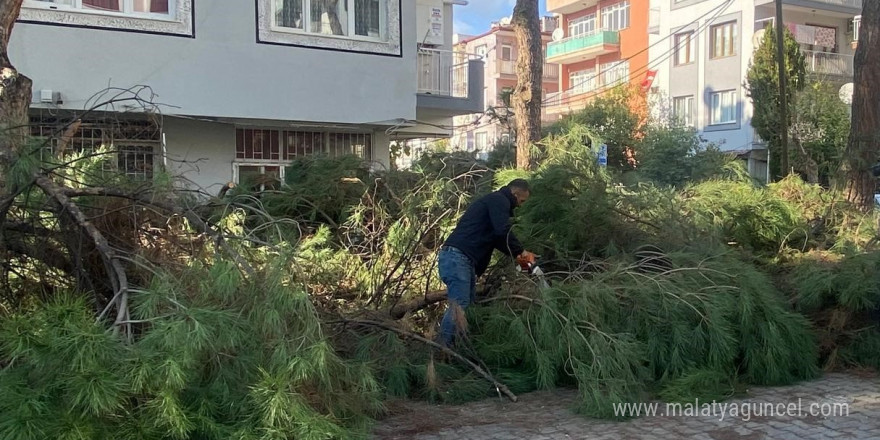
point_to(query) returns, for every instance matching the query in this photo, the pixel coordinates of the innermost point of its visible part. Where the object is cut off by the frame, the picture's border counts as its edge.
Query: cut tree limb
(114, 268)
(479, 370)
(402, 309)
(197, 222)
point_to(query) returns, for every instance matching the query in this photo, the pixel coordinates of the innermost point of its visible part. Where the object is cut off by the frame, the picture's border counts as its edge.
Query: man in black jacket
(485, 226)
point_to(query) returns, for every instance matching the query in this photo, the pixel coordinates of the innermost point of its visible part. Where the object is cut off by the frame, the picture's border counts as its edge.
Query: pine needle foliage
(217, 357)
(696, 329)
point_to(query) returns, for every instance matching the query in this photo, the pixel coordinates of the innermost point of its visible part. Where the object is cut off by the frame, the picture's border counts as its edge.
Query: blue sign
(603, 155)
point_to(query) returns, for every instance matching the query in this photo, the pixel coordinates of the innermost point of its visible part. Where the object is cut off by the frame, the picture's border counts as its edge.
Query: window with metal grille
(133, 142)
(262, 154)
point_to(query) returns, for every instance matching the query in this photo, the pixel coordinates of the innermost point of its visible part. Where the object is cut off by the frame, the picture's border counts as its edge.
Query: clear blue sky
(478, 14)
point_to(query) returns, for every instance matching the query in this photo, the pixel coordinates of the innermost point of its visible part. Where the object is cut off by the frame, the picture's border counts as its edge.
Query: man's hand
(526, 259)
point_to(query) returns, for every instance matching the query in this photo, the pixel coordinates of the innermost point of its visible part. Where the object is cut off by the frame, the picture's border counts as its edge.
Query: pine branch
(498, 385)
(200, 224)
(115, 271)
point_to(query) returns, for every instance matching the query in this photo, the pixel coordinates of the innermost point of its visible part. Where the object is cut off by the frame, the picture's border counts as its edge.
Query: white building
(702, 50)
(244, 86)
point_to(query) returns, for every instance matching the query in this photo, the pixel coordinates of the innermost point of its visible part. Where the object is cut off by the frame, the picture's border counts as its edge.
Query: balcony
(843, 8)
(449, 83)
(508, 67)
(569, 6)
(583, 47)
(831, 64)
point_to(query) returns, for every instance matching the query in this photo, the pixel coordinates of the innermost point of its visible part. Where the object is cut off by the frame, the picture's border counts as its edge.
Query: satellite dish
(846, 93)
(505, 21)
(558, 34)
(758, 37)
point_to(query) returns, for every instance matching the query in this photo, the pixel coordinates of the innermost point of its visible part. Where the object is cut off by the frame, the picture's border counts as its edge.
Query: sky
(478, 14)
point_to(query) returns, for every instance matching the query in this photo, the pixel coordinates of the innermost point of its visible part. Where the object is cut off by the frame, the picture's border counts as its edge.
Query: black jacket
(485, 226)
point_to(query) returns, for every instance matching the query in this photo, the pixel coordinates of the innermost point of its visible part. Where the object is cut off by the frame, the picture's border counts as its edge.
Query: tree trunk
(862, 150)
(15, 92)
(529, 74)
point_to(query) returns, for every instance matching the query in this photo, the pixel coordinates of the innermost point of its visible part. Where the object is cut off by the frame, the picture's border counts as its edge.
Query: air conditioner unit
(50, 97)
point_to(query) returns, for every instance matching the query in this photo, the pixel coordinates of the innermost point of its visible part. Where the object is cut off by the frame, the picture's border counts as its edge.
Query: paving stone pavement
(850, 403)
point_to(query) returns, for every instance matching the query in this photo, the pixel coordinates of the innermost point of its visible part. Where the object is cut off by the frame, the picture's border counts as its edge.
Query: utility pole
(783, 92)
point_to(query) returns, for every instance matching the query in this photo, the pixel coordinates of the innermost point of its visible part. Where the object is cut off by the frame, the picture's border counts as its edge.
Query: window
(262, 154)
(258, 177)
(724, 106)
(505, 138)
(481, 141)
(168, 17)
(615, 73)
(685, 48)
(287, 145)
(723, 39)
(683, 109)
(616, 17)
(506, 53)
(130, 144)
(582, 81)
(132, 7)
(362, 18)
(582, 26)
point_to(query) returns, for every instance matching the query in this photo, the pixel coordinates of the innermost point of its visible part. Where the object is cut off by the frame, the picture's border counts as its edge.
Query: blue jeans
(457, 272)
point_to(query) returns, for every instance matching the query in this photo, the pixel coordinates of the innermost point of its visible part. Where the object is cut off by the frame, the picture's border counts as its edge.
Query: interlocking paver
(547, 415)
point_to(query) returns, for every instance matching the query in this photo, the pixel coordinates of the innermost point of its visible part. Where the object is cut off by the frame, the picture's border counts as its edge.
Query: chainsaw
(532, 268)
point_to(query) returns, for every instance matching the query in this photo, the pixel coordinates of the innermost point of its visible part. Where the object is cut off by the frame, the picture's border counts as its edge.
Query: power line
(720, 9)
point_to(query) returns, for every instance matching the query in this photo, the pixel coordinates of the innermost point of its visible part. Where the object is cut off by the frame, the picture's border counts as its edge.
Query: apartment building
(599, 44)
(703, 49)
(499, 50)
(237, 90)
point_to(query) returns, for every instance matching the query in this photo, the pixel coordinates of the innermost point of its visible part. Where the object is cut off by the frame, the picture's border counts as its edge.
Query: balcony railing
(444, 72)
(508, 67)
(829, 63)
(578, 43)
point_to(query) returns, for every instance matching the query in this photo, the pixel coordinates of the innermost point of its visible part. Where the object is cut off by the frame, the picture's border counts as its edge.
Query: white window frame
(614, 73)
(616, 17)
(729, 38)
(685, 44)
(582, 26)
(687, 104)
(717, 107)
(349, 24)
(127, 8)
(236, 174)
(481, 50)
(582, 81)
(509, 49)
(481, 141)
(177, 22)
(388, 43)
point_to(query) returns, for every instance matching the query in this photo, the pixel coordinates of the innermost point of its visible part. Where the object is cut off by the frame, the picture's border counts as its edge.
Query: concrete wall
(200, 152)
(224, 71)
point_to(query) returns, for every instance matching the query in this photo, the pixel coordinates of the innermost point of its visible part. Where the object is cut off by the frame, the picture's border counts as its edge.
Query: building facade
(702, 50)
(228, 91)
(499, 49)
(600, 44)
